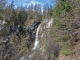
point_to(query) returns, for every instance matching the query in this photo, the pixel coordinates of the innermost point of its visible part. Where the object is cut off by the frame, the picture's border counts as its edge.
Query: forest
(61, 41)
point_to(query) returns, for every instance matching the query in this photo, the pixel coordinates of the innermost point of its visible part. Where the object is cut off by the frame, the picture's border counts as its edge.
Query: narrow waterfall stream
(36, 43)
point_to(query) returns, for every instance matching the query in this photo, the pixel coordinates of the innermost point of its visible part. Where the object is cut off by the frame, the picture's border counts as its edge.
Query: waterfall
(47, 23)
(36, 43)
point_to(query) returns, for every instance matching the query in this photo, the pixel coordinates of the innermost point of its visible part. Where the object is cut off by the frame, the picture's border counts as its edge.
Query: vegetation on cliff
(14, 38)
(66, 25)
(64, 33)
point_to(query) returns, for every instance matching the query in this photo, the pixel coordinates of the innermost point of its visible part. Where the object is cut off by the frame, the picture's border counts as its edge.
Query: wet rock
(31, 30)
(33, 27)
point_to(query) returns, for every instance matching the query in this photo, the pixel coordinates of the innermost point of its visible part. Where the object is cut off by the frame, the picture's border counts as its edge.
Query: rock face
(43, 47)
(10, 42)
(47, 46)
(31, 30)
(33, 26)
(40, 44)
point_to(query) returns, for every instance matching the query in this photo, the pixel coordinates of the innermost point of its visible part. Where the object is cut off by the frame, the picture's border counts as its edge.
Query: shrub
(61, 6)
(66, 51)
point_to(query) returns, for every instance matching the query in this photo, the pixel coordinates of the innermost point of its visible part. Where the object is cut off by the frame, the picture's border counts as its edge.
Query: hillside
(61, 41)
(33, 34)
(66, 29)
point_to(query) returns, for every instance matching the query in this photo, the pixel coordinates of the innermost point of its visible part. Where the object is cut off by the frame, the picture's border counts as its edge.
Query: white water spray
(36, 44)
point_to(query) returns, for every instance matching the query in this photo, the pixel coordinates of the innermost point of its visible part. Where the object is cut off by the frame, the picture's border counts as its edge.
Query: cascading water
(36, 44)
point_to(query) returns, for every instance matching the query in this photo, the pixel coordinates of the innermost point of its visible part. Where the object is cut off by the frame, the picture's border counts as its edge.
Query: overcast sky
(26, 3)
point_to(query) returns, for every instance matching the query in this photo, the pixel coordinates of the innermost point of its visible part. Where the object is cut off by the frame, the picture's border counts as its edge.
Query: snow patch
(50, 23)
(43, 50)
(23, 58)
(42, 35)
(31, 55)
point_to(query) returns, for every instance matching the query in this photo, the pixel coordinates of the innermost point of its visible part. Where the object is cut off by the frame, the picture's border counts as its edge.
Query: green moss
(64, 38)
(53, 33)
(64, 15)
(66, 48)
(66, 51)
